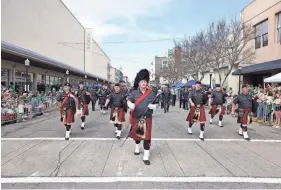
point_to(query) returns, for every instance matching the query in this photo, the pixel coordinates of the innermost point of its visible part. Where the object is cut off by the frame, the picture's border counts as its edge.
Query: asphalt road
(35, 155)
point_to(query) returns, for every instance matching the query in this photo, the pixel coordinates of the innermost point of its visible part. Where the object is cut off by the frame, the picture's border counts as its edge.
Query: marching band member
(197, 99)
(117, 111)
(142, 103)
(218, 98)
(245, 107)
(84, 100)
(102, 93)
(67, 108)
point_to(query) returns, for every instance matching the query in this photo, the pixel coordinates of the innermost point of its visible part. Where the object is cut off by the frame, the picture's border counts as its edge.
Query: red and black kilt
(244, 119)
(120, 114)
(148, 129)
(69, 117)
(202, 118)
(213, 111)
(85, 109)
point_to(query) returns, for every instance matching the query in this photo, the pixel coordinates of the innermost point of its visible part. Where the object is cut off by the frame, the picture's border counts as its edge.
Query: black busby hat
(142, 75)
(81, 82)
(67, 84)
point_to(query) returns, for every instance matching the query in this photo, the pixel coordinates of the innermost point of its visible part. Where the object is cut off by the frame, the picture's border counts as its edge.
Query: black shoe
(146, 162)
(66, 139)
(136, 153)
(118, 137)
(202, 139)
(82, 128)
(247, 139)
(221, 126)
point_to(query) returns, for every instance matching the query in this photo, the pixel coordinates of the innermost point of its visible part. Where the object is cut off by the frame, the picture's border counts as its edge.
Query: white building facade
(49, 35)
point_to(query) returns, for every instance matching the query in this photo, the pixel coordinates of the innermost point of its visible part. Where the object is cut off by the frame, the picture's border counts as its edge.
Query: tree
(238, 49)
(218, 34)
(170, 73)
(222, 45)
(195, 54)
(229, 46)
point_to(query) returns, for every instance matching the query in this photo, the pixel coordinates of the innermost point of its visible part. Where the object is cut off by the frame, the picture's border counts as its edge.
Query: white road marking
(119, 172)
(153, 139)
(140, 179)
(35, 174)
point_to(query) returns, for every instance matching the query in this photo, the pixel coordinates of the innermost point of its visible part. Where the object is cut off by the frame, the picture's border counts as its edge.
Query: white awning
(274, 78)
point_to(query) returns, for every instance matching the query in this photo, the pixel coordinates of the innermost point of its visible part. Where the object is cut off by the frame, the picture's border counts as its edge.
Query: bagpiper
(245, 108)
(67, 108)
(83, 101)
(142, 102)
(197, 99)
(218, 98)
(117, 110)
(102, 94)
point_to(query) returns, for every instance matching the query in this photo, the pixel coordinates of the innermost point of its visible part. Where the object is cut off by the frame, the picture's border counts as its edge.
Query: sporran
(141, 128)
(196, 114)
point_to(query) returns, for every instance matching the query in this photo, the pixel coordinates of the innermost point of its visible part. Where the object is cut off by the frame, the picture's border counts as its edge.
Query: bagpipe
(140, 126)
(205, 97)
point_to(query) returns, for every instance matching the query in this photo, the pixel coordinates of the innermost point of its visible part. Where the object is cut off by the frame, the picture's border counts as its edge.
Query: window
(261, 37)
(278, 26)
(164, 64)
(4, 77)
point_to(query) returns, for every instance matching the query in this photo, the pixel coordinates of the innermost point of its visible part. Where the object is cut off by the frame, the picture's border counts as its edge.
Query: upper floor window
(278, 26)
(261, 37)
(164, 64)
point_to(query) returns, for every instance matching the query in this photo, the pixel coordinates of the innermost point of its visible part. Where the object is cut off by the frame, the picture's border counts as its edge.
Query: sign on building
(170, 54)
(89, 41)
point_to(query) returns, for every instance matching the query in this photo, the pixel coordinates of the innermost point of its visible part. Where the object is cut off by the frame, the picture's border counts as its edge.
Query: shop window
(4, 77)
(39, 79)
(278, 27)
(52, 80)
(261, 34)
(47, 79)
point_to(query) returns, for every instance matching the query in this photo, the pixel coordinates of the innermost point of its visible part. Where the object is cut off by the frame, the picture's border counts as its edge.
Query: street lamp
(211, 74)
(239, 71)
(85, 79)
(27, 64)
(67, 73)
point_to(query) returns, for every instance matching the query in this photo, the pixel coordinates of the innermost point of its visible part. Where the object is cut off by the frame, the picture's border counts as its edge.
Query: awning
(261, 67)
(274, 79)
(19, 54)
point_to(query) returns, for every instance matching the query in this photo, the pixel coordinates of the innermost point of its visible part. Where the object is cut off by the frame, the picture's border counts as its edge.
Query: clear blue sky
(129, 20)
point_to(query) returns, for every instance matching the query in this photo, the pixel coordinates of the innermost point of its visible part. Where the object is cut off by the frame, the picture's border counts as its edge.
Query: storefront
(41, 69)
(255, 74)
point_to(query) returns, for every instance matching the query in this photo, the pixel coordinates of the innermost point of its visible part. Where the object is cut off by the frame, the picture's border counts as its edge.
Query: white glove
(131, 105)
(152, 106)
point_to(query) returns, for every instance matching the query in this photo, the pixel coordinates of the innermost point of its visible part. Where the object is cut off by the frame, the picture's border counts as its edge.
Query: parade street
(35, 155)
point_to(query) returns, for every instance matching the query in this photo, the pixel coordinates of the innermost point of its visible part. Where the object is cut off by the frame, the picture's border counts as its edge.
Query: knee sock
(67, 127)
(202, 126)
(146, 144)
(119, 127)
(83, 118)
(244, 128)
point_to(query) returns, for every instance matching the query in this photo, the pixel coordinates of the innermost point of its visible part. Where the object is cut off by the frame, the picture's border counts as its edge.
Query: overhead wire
(98, 53)
(122, 42)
